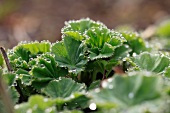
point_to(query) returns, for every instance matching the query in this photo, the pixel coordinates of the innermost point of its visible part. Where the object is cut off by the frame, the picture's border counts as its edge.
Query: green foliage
(63, 87)
(80, 25)
(135, 42)
(46, 70)
(102, 42)
(92, 69)
(124, 92)
(70, 53)
(151, 62)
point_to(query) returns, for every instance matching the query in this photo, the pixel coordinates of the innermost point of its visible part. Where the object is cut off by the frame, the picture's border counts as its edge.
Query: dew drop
(72, 96)
(48, 110)
(124, 59)
(110, 80)
(29, 111)
(72, 71)
(16, 107)
(97, 90)
(14, 84)
(104, 84)
(126, 46)
(46, 99)
(110, 86)
(42, 65)
(134, 54)
(92, 106)
(131, 95)
(31, 59)
(17, 76)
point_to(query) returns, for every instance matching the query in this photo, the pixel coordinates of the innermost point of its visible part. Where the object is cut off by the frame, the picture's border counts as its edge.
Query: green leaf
(41, 104)
(94, 85)
(167, 72)
(151, 62)
(37, 104)
(102, 42)
(35, 47)
(13, 97)
(23, 53)
(77, 100)
(121, 52)
(13, 94)
(24, 76)
(80, 25)
(126, 91)
(75, 35)
(135, 42)
(46, 70)
(9, 78)
(63, 87)
(70, 54)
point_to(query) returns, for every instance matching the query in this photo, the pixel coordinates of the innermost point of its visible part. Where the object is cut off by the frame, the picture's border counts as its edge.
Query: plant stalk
(6, 59)
(10, 70)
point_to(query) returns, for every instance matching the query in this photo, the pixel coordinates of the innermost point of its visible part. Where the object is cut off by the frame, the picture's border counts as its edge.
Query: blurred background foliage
(43, 19)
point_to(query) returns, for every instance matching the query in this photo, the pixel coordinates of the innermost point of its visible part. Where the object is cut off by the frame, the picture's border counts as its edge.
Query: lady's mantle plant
(92, 69)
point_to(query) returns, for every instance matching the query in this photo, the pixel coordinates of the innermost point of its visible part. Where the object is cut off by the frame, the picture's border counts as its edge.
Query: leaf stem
(6, 59)
(10, 70)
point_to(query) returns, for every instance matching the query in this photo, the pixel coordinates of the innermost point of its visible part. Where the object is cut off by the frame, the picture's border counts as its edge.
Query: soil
(43, 19)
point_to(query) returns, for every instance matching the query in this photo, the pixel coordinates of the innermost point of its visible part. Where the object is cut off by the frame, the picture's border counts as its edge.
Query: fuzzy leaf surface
(135, 42)
(80, 25)
(125, 91)
(70, 54)
(102, 42)
(151, 62)
(63, 87)
(46, 70)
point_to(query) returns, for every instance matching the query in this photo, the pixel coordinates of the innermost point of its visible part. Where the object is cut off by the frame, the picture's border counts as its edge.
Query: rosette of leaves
(23, 53)
(80, 26)
(151, 62)
(70, 53)
(22, 57)
(102, 42)
(139, 90)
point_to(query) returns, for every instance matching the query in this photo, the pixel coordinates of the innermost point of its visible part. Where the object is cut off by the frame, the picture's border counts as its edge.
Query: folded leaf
(46, 70)
(70, 54)
(102, 42)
